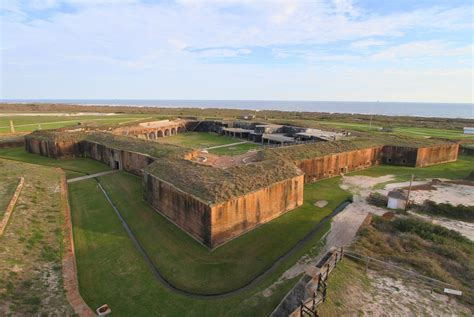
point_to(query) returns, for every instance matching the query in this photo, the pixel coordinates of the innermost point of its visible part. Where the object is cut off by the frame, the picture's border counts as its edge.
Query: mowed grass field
(112, 271)
(190, 266)
(406, 131)
(202, 140)
(31, 123)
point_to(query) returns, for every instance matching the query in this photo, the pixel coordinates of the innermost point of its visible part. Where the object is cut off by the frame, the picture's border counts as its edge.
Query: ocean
(443, 110)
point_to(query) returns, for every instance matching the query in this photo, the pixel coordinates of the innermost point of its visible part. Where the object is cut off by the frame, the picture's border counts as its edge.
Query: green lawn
(198, 140)
(235, 149)
(31, 123)
(189, 265)
(112, 271)
(7, 188)
(73, 168)
(438, 133)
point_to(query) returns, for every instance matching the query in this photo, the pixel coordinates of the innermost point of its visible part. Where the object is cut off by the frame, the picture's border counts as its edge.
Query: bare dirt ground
(31, 246)
(443, 192)
(226, 161)
(354, 293)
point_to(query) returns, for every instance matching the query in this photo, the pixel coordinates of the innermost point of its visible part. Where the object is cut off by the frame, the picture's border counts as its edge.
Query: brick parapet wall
(69, 268)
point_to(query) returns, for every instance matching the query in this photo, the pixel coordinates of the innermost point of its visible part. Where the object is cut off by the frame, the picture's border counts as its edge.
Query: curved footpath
(252, 283)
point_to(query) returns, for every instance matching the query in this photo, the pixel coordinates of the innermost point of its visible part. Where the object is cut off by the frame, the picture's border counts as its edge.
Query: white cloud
(422, 49)
(364, 44)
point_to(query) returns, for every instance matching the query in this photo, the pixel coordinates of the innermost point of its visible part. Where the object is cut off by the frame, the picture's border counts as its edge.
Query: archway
(167, 132)
(180, 129)
(160, 133)
(173, 131)
(152, 136)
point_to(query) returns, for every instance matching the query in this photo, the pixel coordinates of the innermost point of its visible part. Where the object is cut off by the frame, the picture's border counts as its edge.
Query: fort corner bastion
(215, 205)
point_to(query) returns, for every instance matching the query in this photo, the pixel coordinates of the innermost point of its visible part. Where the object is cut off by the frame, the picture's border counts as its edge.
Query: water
(443, 110)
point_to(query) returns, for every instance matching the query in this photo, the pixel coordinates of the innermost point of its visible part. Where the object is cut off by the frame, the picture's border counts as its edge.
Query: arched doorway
(173, 131)
(152, 136)
(160, 133)
(167, 132)
(180, 129)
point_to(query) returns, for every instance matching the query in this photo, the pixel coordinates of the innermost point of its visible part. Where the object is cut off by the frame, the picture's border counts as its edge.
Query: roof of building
(237, 130)
(214, 185)
(397, 195)
(277, 137)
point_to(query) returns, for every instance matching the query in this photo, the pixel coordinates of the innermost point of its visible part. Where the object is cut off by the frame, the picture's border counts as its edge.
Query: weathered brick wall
(241, 214)
(399, 155)
(187, 212)
(437, 154)
(332, 165)
(57, 150)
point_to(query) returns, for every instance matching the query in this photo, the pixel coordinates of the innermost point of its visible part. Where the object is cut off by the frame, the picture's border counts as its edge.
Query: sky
(340, 50)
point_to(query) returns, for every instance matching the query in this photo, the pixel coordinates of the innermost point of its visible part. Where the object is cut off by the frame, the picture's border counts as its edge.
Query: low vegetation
(8, 185)
(377, 199)
(429, 249)
(459, 212)
(31, 246)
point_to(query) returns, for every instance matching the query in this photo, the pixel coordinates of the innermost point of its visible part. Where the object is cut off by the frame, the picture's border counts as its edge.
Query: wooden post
(12, 128)
(409, 191)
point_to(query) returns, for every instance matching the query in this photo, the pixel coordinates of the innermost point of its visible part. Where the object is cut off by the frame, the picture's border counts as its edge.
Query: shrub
(377, 199)
(459, 212)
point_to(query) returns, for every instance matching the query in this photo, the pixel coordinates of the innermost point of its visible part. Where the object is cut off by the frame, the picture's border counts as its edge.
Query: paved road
(72, 180)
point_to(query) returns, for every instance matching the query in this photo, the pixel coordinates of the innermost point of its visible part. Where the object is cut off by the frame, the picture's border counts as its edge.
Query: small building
(468, 130)
(396, 200)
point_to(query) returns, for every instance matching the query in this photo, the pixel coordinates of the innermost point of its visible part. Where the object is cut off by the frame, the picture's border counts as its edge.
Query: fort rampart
(214, 223)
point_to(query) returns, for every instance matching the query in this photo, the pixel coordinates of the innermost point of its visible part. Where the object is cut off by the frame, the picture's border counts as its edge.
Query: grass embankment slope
(190, 266)
(112, 271)
(31, 246)
(429, 249)
(32, 123)
(73, 168)
(8, 185)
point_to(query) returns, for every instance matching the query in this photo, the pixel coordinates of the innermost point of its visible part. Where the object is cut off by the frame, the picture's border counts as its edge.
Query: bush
(377, 199)
(459, 212)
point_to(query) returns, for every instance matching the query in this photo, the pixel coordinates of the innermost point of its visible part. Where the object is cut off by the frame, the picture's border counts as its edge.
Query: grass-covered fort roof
(214, 185)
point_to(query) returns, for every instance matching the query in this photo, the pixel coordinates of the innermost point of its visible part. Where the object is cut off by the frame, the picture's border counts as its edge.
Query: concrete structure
(277, 139)
(396, 200)
(153, 130)
(468, 130)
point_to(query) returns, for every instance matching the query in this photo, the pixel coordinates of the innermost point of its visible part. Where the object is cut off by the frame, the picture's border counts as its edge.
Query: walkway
(226, 145)
(81, 178)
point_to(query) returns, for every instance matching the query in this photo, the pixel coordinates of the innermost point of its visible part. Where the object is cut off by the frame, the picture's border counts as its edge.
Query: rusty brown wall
(399, 155)
(437, 154)
(332, 165)
(187, 212)
(129, 161)
(236, 216)
(57, 150)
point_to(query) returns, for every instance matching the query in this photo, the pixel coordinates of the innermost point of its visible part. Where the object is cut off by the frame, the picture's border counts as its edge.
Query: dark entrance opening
(117, 165)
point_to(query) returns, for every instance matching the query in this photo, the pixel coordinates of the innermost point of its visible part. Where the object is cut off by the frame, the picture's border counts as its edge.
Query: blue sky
(400, 50)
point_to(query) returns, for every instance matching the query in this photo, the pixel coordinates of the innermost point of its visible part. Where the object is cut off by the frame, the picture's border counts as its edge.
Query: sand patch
(321, 203)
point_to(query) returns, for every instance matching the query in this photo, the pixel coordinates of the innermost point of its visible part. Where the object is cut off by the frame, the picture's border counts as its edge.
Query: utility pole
(409, 191)
(12, 128)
